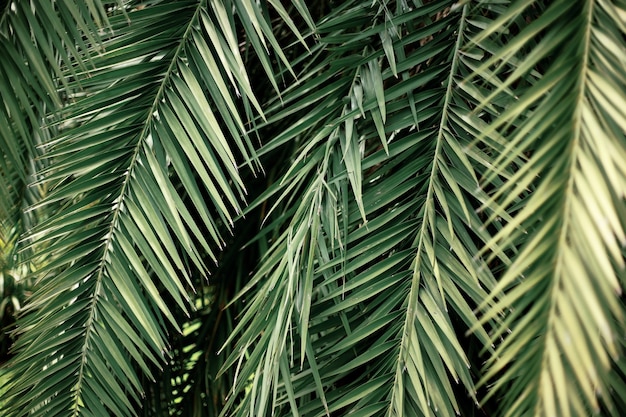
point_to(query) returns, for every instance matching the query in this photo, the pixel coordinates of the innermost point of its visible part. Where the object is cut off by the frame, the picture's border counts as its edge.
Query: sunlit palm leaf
(562, 292)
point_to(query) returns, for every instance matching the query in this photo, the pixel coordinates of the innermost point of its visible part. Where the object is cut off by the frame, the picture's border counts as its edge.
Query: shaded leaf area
(371, 230)
(33, 43)
(561, 294)
(190, 382)
(121, 242)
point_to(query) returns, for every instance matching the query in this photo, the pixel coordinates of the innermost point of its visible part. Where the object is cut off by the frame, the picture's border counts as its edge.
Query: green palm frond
(378, 210)
(561, 292)
(120, 239)
(36, 39)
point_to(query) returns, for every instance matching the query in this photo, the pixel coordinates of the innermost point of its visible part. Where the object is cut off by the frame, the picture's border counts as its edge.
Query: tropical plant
(364, 208)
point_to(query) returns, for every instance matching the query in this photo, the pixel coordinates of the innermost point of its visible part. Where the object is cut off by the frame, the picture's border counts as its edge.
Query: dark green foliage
(342, 208)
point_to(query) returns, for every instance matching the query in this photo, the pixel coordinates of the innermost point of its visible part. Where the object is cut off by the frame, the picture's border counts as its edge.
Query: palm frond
(120, 240)
(561, 293)
(374, 266)
(36, 39)
(254, 208)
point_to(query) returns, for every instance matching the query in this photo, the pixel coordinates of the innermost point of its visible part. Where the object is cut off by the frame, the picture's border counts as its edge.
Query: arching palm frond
(561, 293)
(34, 42)
(119, 239)
(372, 227)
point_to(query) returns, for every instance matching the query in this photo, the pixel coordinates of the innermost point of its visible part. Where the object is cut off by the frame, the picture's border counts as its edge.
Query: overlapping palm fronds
(375, 258)
(344, 208)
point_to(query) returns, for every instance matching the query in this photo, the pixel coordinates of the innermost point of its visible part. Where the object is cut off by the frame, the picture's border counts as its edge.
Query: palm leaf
(375, 263)
(34, 42)
(561, 294)
(252, 208)
(121, 239)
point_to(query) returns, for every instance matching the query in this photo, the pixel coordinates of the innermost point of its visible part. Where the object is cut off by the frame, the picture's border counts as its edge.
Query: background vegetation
(364, 208)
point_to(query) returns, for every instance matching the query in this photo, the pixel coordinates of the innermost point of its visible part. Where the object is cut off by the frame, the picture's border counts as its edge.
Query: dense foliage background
(363, 208)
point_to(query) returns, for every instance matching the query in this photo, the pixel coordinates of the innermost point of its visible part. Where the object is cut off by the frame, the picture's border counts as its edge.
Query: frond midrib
(89, 326)
(568, 196)
(415, 282)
